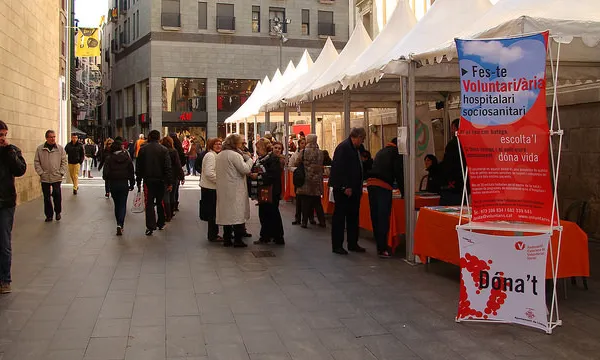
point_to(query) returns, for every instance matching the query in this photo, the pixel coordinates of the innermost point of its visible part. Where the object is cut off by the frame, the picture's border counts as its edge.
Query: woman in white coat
(208, 185)
(233, 207)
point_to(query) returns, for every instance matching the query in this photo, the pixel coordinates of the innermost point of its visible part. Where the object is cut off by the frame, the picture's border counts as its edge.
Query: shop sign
(502, 278)
(186, 116)
(504, 131)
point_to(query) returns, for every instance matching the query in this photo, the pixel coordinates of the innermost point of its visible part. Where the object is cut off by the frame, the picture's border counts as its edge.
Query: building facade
(185, 65)
(33, 66)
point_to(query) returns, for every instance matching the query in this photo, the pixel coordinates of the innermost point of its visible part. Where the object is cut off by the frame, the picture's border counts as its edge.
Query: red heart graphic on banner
(496, 299)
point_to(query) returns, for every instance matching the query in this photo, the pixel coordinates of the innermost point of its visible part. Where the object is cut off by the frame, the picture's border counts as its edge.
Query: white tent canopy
(302, 68)
(290, 95)
(239, 114)
(576, 25)
(444, 20)
(328, 83)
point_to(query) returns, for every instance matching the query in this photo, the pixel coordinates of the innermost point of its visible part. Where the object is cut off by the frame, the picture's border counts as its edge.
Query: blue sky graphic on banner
(498, 87)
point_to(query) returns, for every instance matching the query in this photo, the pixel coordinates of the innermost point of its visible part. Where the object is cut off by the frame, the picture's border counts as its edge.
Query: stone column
(156, 103)
(211, 107)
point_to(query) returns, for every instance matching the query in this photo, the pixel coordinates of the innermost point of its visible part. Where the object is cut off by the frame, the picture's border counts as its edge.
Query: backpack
(198, 165)
(299, 177)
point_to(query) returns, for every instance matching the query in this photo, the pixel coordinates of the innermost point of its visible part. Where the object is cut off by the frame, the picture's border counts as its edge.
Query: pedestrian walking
(311, 191)
(118, 170)
(89, 151)
(266, 189)
(186, 144)
(346, 179)
(192, 156)
(208, 189)
(12, 164)
(153, 166)
(76, 156)
(138, 144)
(233, 206)
(387, 172)
(293, 159)
(104, 156)
(50, 164)
(173, 183)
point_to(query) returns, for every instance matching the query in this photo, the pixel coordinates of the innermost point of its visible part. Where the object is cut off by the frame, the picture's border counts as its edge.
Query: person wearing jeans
(119, 171)
(388, 168)
(50, 164)
(12, 164)
(153, 166)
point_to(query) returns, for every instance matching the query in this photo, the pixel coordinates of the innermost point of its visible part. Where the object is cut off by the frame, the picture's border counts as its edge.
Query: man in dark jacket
(154, 167)
(118, 170)
(388, 169)
(75, 157)
(452, 187)
(12, 165)
(346, 179)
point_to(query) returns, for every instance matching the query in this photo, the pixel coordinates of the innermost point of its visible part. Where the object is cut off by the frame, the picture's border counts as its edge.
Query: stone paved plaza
(80, 292)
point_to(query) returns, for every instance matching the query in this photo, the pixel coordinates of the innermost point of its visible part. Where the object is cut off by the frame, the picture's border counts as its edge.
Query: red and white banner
(502, 278)
(504, 129)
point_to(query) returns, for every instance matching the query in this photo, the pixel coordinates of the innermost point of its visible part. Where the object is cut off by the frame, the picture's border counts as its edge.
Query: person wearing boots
(232, 165)
(119, 171)
(75, 156)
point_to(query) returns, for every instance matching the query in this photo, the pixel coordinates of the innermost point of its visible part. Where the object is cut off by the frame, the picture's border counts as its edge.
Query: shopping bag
(265, 194)
(331, 199)
(138, 202)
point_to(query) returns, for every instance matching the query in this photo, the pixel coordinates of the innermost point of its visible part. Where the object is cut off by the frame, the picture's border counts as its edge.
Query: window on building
(305, 22)
(170, 16)
(233, 93)
(202, 15)
(279, 14)
(225, 17)
(133, 33)
(183, 95)
(326, 25)
(256, 19)
(126, 29)
(137, 29)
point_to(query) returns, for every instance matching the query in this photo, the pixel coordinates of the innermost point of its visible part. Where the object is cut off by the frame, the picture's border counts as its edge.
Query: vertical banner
(503, 128)
(424, 140)
(502, 278)
(87, 42)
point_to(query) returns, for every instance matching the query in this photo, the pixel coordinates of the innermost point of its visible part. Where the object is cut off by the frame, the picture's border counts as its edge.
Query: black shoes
(279, 241)
(240, 244)
(247, 235)
(119, 230)
(161, 227)
(149, 232)
(304, 226)
(48, 219)
(384, 254)
(340, 251)
(227, 243)
(58, 217)
(74, 192)
(313, 222)
(217, 239)
(295, 222)
(262, 241)
(357, 249)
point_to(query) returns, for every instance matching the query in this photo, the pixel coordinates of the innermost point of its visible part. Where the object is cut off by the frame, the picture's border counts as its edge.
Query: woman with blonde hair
(233, 207)
(208, 189)
(266, 176)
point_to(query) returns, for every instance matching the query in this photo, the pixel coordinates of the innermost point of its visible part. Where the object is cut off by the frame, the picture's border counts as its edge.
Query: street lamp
(277, 27)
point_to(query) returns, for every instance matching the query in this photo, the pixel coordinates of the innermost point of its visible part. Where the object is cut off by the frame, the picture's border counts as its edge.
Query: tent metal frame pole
(346, 113)
(412, 158)
(313, 117)
(255, 128)
(366, 122)
(246, 130)
(267, 122)
(286, 129)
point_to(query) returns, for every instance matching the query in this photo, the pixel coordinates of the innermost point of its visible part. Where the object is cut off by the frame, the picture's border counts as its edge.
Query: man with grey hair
(346, 179)
(50, 163)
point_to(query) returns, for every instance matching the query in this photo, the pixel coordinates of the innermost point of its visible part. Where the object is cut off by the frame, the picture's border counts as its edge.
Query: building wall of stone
(29, 69)
(579, 177)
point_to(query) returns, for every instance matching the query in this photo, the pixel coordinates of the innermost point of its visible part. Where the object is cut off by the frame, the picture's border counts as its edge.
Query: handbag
(299, 176)
(138, 203)
(265, 194)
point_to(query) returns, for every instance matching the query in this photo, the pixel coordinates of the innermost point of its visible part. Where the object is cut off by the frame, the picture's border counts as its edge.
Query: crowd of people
(231, 174)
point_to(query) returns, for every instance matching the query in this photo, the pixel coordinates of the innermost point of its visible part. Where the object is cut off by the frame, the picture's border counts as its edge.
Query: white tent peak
(400, 23)
(328, 83)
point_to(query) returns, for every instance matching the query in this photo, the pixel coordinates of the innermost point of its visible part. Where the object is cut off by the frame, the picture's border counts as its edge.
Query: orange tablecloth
(397, 217)
(436, 237)
(327, 206)
(290, 190)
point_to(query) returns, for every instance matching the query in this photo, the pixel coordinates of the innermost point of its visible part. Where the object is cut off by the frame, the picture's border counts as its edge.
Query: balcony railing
(326, 29)
(170, 20)
(225, 23)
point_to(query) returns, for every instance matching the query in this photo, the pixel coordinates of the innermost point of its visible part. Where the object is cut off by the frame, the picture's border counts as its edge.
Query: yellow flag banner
(87, 42)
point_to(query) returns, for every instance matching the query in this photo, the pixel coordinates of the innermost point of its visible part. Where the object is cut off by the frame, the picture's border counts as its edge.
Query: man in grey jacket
(51, 165)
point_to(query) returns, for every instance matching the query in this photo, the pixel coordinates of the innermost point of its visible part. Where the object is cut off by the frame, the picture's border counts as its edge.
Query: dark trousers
(191, 165)
(310, 204)
(106, 186)
(119, 195)
(380, 201)
(156, 192)
(213, 229)
(271, 225)
(7, 216)
(450, 198)
(52, 190)
(175, 195)
(299, 213)
(169, 202)
(233, 232)
(345, 215)
(187, 164)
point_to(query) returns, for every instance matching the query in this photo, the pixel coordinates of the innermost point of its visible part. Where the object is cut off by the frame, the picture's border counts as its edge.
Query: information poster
(504, 129)
(502, 278)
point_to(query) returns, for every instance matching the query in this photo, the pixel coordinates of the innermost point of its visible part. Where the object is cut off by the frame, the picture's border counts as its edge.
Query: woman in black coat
(104, 155)
(170, 197)
(434, 179)
(266, 172)
(118, 170)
